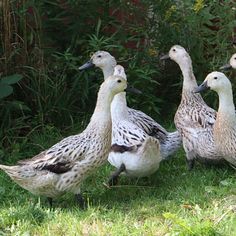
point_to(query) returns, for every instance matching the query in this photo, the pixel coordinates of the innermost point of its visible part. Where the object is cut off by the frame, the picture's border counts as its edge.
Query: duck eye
(215, 77)
(99, 56)
(174, 50)
(235, 58)
(119, 81)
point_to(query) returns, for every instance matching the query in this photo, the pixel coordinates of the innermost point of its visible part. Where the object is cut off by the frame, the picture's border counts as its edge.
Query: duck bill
(131, 89)
(226, 67)
(201, 87)
(87, 65)
(165, 57)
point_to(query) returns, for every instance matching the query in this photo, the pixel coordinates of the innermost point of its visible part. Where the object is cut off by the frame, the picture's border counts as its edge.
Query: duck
(224, 129)
(194, 119)
(170, 142)
(63, 167)
(133, 151)
(231, 64)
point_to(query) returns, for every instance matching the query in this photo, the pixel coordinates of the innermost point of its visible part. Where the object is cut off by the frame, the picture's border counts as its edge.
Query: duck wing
(39, 156)
(60, 157)
(127, 137)
(146, 123)
(203, 117)
(194, 113)
(58, 167)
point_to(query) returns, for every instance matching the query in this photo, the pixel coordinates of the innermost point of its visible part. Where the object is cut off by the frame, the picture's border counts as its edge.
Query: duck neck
(107, 71)
(189, 81)
(102, 113)
(119, 110)
(226, 106)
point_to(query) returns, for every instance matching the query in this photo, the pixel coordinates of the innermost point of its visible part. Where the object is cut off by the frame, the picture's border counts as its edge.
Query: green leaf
(98, 27)
(18, 105)
(5, 90)
(226, 182)
(11, 79)
(2, 190)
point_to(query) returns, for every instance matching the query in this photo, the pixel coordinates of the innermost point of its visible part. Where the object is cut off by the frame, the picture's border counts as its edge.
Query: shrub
(46, 42)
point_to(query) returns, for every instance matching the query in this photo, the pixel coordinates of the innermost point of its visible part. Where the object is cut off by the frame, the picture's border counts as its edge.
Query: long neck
(189, 82)
(119, 109)
(225, 126)
(107, 71)
(102, 114)
(226, 106)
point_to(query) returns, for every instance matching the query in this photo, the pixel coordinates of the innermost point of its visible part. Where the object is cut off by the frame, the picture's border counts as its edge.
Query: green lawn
(174, 201)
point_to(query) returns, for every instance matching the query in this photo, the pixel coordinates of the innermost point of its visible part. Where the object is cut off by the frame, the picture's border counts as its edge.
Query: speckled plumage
(193, 118)
(169, 142)
(64, 166)
(224, 129)
(139, 152)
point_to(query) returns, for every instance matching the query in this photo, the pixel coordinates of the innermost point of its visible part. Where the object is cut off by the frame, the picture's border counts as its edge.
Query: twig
(223, 215)
(130, 186)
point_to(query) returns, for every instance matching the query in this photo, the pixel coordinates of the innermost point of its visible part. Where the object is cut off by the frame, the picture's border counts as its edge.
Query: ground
(173, 201)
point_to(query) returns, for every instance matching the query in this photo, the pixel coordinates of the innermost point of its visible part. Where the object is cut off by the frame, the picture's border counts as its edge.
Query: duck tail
(172, 144)
(150, 143)
(175, 137)
(5, 168)
(10, 170)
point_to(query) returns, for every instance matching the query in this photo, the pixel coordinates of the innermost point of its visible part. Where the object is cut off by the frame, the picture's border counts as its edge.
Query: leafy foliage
(46, 41)
(5, 84)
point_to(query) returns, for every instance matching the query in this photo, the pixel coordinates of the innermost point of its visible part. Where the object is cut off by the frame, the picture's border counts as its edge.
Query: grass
(173, 201)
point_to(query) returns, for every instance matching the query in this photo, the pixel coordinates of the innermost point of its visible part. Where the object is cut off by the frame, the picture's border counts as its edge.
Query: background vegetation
(44, 97)
(46, 41)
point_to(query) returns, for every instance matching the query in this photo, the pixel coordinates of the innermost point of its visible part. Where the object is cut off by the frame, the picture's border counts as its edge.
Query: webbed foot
(113, 180)
(50, 201)
(80, 200)
(190, 164)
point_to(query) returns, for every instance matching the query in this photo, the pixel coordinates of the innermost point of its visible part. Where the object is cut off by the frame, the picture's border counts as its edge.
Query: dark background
(45, 42)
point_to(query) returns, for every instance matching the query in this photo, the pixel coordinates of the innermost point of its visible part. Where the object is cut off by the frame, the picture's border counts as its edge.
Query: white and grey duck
(231, 64)
(133, 151)
(194, 118)
(64, 166)
(224, 129)
(169, 141)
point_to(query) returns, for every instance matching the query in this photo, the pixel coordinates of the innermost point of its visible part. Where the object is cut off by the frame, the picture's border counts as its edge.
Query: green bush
(46, 42)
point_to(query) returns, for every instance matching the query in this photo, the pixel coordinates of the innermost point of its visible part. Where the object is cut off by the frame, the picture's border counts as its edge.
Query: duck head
(115, 84)
(120, 71)
(101, 59)
(231, 64)
(178, 54)
(216, 81)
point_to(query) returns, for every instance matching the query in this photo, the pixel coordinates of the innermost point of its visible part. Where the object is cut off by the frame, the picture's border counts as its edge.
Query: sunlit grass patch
(173, 201)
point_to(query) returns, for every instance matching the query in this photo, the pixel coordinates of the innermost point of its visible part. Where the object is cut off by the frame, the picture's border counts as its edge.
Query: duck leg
(50, 201)
(80, 200)
(113, 180)
(190, 159)
(190, 164)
